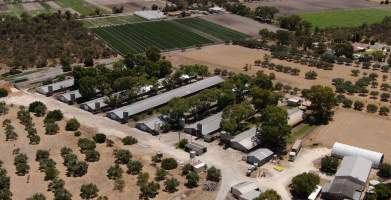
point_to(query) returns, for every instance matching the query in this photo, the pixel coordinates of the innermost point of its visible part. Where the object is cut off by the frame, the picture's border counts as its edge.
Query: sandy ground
(355, 128)
(216, 156)
(297, 6)
(54, 5)
(22, 189)
(32, 6)
(239, 23)
(280, 181)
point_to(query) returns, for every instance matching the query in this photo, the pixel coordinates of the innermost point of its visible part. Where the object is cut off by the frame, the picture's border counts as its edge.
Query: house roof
(344, 186)
(261, 153)
(163, 98)
(355, 167)
(209, 124)
(341, 150)
(295, 116)
(56, 86)
(247, 138)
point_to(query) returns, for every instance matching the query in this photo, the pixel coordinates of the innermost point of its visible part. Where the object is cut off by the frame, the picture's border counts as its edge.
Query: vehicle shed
(260, 156)
(243, 188)
(341, 150)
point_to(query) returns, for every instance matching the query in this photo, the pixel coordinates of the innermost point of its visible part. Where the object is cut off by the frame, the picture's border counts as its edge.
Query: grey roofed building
(55, 87)
(67, 97)
(355, 167)
(295, 116)
(208, 125)
(121, 114)
(350, 179)
(250, 195)
(197, 148)
(260, 156)
(246, 140)
(243, 188)
(341, 150)
(151, 125)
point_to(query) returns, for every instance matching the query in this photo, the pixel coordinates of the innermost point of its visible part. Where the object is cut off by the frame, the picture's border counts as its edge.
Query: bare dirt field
(355, 128)
(298, 6)
(54, 5)
(23, 187)
(239, 23)
(32, 6)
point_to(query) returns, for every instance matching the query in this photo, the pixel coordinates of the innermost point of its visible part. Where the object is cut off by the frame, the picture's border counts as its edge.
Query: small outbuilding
(197, 148)
(260, 156)
(243, 188)
(152, 125)
(245, 141)
(341, 150)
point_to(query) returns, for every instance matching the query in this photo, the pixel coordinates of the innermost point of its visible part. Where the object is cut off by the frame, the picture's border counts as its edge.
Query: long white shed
(341, 150)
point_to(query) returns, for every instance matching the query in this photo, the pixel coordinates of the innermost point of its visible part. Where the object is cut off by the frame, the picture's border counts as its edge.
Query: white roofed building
(341, 150)
(150, 14)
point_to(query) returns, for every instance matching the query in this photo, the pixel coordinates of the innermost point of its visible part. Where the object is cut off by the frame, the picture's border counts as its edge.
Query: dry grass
(23, 188)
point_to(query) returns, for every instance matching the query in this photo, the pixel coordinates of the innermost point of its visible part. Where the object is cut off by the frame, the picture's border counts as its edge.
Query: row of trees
(5, 191)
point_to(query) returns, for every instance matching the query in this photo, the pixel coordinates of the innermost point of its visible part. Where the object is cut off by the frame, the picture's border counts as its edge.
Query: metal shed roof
(355, 167)
(163, 98)
(295, 116)
(261, 153)
(341, 150)
(151, 123)
(344, 187)
(209, 124)
(245, 187)
(56, 86)
(67, 96)
(250, 195)
(246, 139)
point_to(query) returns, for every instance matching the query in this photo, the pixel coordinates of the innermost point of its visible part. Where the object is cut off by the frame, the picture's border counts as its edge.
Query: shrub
(38, 108)
(77, 133)
(269, 195)
(92, 155)
(170, 185)
(213, 174)
(20, 162)
(114, 172)
(358, 105)
(72, 125)
(169, 164)
(122, 156)
(86, 144)
(384, 170)
(160, 174)
(37, 196)
(51, 128)
(329, 165)
(142, 178)
(384, 111)
(89, 191)
(192, 179)
(3, 92)
(304, 184)
(371, 108)
(41, 155)
(182, 143)
(54, 115)
(100, 138)
(186, 169)
(347, 103)
(129, 140)
(134, 167)
(311, 75)
(149, 190)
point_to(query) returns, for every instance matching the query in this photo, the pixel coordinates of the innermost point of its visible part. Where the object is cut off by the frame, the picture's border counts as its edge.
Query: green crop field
(345, 18)
(166, 35)
(79, 6)
(111, 21)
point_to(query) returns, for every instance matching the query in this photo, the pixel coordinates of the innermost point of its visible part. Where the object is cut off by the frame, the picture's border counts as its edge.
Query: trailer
(295, 150)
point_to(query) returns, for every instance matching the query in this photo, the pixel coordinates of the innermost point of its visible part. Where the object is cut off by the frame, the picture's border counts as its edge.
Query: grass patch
(80, 6)
(300, 132)
(345, 18)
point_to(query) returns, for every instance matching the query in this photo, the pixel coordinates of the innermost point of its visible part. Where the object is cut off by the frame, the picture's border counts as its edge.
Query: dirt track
(298, 6)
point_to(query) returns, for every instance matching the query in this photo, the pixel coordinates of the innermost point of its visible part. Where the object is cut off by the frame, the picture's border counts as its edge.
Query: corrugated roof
(250, 195)
(261, 153)
(209, 124)
(341, 150)
(163, 98)
(295, 116)
(245, 187)
(344, 187)
(56, 86)
(152, 122)
(247, 138)
(355, 167)
(67, 96)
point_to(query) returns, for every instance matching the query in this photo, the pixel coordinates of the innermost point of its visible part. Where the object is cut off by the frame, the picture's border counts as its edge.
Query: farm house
(55, 87)
(205, 127)
(260, 156)
(152, 125)
(122, 114)
(350, 179)
(341, 150)
(245, 141)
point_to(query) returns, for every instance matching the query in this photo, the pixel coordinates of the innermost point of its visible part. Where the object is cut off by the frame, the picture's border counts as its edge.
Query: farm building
(243, 188)
(55, 87)
(205, 127)
(69, 97)
(341, 150)
(259, 156)
(245, 141)
(122, 114)
(150, 14)
(294, 101)
(250, 195)
(295, 116)
(216, 9)
(197, 148)
(350, 179)
(152, 125)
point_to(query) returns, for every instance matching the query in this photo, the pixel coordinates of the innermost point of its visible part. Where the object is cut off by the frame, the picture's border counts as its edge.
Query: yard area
(355, 128)
(79, 6)
(345, 18)
(111, 21)
(166, 35)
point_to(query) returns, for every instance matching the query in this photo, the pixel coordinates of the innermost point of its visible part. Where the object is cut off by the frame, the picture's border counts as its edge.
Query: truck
(295, 150)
